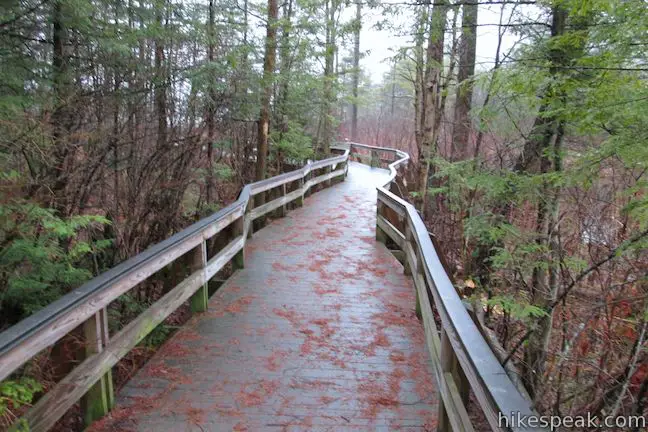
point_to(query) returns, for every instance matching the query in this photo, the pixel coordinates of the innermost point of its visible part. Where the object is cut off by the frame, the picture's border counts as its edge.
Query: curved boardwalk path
(318, 332)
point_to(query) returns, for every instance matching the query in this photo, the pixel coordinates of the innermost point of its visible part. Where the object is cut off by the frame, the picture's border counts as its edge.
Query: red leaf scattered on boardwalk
(257, 393)
(240, 305)
(321, 290)
(274, 361)
(240, 427)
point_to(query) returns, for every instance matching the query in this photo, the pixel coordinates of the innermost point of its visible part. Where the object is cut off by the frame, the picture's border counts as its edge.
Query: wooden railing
(84, 310)
(462, 359)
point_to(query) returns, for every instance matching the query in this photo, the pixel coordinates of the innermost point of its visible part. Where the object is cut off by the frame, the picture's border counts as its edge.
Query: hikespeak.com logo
(554, 422)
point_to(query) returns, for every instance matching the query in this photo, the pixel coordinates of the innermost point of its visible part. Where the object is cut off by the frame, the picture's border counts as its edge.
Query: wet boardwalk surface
(317, 333)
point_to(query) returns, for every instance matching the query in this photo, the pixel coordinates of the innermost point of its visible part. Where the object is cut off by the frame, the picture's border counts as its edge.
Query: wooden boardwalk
(318, 332)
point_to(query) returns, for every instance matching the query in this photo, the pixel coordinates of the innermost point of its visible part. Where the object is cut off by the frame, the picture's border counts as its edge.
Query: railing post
(306, 179)
(462, 383)
(409, 237)
(282, 210)
(375, 160)
(238, 262)
(450, 365)
(407, 269)
(381, 235)
(199, 261)
(300, 200)
(328, 170)
(248, 209)
(101, 397)
(446, 359)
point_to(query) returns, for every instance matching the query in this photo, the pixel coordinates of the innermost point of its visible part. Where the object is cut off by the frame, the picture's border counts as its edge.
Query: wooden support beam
(375, 159)
(399, 255)
(392, 232)
(381, 235)
(447, 363)
(306, 179)
(463, 385)
(283, 211)
(100, 398)
(199, 262)
(300, 199)
(238, 262)
(249, 220)
(453, 415)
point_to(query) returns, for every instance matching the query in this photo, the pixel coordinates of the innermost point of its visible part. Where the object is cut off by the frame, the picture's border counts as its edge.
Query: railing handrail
(15, 337)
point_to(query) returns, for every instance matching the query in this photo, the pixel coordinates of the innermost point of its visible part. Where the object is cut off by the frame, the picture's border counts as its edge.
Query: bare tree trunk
(62, 115)
(393, 90)
(356, 72)
(433, 68)
(419, 81)
(329, 76)
(285, 66)
(160, 81)
(211, 103)
(467, 49)
(268, 75)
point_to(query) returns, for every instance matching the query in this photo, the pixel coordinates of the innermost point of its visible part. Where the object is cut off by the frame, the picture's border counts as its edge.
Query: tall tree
(285, 64)
(330, 50)
(356, 70)
(161, 80)
(62, 116)
(266, 93)
(419, 77)
(211, 103)
(432, 92)
(543, 154)
(467, 48)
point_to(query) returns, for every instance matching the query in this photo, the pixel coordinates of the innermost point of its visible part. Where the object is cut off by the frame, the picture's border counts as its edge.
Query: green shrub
(42, 257)
(13, 395)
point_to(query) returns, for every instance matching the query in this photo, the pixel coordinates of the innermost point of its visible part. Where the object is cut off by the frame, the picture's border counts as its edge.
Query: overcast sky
(382, 43)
